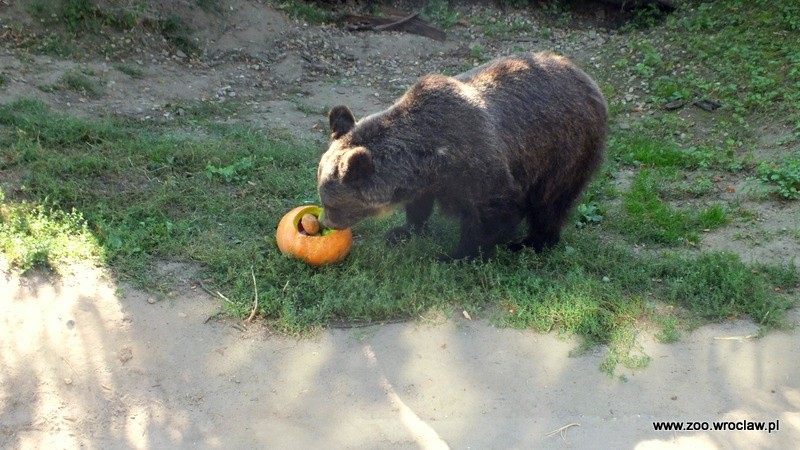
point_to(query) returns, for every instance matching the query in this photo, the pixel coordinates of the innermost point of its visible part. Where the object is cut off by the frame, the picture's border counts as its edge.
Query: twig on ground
(215, 293)
(563, 430)
(734, 338)
(255, 297)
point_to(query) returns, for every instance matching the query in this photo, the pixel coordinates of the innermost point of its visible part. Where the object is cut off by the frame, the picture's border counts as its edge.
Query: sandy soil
(88, 362)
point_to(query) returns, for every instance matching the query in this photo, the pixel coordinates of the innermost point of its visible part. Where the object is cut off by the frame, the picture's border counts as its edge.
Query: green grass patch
(131, 194)
(31, 236)
(648, 218)
(743, 54)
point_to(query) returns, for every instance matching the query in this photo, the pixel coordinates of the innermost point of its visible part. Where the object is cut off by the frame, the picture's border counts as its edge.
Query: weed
(78, 14)
(477, 52)
(178, 33)
(669, 331)
(588, 214)
(233, 172)
(440, 12)
(785, 176)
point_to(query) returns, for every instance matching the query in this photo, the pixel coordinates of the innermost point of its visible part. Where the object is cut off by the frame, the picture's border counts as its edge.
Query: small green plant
(79, 14)
(588, 214)
(440, 12)
(785, 176)
(669, 331)
(234, 172)
(477, 52)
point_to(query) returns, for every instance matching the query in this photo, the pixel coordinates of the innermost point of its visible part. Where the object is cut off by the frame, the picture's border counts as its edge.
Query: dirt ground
(89, 362)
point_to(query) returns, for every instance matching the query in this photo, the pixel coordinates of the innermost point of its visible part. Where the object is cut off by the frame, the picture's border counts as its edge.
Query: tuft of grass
(178, 33)
(131, 70)
(718, 286)
(649, 219)
(300, 10)
(82, 83)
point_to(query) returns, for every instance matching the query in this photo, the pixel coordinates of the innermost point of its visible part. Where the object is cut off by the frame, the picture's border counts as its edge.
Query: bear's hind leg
(480, 235)
(545, 221)
(417, 213)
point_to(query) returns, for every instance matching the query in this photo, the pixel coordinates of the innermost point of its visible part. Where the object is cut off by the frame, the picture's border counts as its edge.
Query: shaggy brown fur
(516, 138)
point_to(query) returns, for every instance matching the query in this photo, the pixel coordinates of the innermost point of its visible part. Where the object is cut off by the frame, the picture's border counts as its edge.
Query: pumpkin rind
(314, 250)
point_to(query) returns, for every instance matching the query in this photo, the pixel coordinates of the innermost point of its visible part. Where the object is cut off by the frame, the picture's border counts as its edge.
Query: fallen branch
(397, 21)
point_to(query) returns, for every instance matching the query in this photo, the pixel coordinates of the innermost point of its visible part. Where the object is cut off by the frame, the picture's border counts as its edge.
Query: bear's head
(345, 176)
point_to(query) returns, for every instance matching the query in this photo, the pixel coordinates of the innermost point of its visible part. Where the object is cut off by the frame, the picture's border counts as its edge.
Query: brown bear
(516, 138)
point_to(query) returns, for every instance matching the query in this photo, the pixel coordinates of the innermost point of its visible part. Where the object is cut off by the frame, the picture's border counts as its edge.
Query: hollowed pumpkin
(325, 248)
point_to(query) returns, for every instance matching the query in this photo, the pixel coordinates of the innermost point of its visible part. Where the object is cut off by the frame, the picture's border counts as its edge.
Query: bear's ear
(341, 120)
(356, 165)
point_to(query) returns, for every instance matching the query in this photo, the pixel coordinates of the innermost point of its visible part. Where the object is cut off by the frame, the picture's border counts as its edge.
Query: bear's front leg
(417, 213)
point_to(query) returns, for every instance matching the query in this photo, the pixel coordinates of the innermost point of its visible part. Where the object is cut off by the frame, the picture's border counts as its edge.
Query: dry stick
(734, 338)
(217, 294)
(563, 430)
(255, 299)
(395, 24)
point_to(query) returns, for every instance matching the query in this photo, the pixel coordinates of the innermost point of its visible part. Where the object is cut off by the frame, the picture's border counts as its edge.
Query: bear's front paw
(398, 235)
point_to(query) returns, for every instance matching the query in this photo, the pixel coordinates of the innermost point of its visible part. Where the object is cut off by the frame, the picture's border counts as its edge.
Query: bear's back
(547, 112)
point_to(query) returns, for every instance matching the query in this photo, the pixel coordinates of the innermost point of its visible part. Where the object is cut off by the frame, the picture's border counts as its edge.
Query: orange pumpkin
(316, 250)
